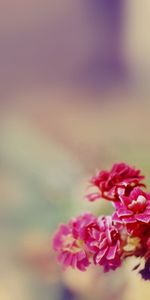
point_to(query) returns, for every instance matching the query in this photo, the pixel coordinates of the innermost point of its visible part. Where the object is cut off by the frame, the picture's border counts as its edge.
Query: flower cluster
(109, 240)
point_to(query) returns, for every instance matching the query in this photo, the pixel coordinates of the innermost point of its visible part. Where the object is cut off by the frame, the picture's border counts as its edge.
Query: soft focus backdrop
(74, 97)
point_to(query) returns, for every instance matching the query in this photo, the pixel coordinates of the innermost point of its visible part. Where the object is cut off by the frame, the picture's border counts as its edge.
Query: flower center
(139, 204)
(141, 199)
(72, 245)
(132, 244)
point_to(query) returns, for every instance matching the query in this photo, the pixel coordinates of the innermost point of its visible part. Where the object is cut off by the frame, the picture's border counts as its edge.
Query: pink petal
(143, 218)
(129, 220)
(103, 243)
(74, 261)
(81, 255)
(124, 212)
(93, 196)
(68, 260)
(112, 252)
(116, 218)
(100, 255)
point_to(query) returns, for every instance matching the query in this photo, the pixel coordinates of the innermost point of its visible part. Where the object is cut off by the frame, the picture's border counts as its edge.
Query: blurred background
(74, 97)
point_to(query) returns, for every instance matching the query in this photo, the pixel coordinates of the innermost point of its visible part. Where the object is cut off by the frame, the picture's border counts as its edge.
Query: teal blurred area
(74, 98)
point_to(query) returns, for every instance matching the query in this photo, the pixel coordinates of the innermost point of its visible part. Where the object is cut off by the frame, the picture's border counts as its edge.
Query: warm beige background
(55, 131)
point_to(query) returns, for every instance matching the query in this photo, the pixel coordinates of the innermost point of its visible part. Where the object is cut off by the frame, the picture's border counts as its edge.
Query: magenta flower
(121, 179)
(104, 241)
(109, 240)
(69, 244)
(133, 209)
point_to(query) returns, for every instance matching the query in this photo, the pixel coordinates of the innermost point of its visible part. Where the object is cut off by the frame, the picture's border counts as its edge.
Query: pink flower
(104, 241)
(107, 241)
(133, 209)
(121, 179)
(69, 244)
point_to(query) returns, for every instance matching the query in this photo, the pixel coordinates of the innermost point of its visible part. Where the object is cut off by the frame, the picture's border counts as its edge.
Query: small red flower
(121, 179)
(107, 241)
(69, 244)
(104, 241)
(133, 209)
